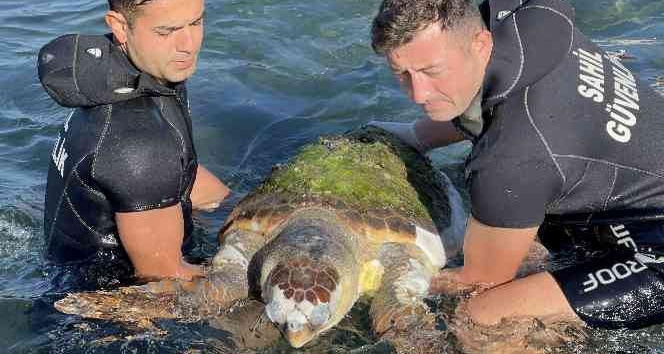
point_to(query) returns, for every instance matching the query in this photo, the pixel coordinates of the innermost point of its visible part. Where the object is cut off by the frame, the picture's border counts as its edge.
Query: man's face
(441, 70)
(166, 37)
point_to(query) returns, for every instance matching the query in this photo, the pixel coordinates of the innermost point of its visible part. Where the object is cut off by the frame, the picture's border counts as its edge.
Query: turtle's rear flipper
(187, 300)
(398, 312)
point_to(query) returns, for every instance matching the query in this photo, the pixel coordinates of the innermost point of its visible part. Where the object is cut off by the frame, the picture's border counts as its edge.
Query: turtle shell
(377, 185)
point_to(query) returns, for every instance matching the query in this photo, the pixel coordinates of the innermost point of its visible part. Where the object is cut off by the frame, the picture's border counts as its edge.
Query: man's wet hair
(130, 9)
(398, 21)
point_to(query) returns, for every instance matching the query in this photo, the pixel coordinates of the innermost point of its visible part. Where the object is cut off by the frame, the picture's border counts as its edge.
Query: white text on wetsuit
(59, 153)
(625, 106)
(619, 270)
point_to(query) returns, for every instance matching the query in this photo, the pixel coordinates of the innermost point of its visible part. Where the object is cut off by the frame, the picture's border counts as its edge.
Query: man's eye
(197, 23)
(164, 34)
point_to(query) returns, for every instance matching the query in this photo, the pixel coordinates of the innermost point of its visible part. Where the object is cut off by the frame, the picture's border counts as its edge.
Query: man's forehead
(415, 58)
(171, 13)
(426, 49)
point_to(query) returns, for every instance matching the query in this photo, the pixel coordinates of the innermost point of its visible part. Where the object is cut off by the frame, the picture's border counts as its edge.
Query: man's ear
(482, 44)
(118, 24)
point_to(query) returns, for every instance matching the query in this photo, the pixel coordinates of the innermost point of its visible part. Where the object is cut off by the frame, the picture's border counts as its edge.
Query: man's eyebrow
(428, 67)
(175, 28)
(198, 19)
(167, 28)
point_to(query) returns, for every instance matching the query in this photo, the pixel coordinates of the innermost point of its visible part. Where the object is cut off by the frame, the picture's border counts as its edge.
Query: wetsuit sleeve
(138, 170)
(513, 194)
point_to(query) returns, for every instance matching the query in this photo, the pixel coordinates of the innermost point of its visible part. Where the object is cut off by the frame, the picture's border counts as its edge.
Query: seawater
(273, 75)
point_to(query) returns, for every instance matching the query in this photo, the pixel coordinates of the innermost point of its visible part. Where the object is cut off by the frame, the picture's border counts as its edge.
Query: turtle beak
(298, 338)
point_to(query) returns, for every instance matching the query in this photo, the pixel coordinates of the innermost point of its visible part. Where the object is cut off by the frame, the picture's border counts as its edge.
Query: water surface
(273, 76)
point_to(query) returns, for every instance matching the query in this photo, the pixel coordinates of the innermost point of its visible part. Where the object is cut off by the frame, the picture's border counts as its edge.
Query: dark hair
(398, 21)
(128, 8)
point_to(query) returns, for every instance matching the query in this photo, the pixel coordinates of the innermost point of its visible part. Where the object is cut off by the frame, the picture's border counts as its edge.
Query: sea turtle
(352, 215)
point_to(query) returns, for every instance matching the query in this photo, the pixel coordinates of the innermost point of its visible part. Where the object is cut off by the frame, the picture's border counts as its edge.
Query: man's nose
(184, 40)
(419, 88)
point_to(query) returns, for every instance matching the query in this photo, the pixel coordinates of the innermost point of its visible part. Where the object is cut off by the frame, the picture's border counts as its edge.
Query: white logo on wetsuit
(95, 52)
(649, 258)
(625, 106)
(124, 90)
(59, 154)
(47, 57)
(503, 14)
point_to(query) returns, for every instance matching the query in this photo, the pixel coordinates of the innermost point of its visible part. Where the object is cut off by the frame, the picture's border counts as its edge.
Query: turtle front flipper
(203, 297)
(188, 300)
(128, 304)
(398, 312)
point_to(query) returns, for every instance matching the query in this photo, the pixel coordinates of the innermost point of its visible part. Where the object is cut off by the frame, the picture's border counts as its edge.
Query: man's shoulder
(135, 132)
(130, 118)
(530, 41)
(141, 116)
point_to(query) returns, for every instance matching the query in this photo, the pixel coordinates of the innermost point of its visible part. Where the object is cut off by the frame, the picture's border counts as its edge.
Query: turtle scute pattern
(300, 279)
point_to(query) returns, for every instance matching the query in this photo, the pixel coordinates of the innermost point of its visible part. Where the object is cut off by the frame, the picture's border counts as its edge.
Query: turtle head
(303, 299)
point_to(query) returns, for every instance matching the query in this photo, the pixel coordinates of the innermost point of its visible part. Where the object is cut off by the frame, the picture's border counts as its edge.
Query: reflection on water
(273, 76)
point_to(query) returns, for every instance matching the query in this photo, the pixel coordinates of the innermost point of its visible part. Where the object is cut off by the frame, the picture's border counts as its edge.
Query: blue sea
(273, 75)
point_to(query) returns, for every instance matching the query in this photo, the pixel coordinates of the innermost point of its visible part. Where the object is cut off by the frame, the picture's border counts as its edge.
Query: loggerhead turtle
(359, 214)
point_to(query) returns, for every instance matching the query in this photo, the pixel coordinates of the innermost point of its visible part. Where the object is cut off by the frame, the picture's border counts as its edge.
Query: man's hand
(153, 240)
(208, 190)
(424, 134)
(448, 282)
(492, 256)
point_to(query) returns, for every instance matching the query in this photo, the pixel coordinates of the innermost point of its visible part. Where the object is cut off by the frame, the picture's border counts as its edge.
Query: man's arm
(153, 240)
(435, 134)
(492, 257)
(208, 190)
(494, 254)
(424, 134)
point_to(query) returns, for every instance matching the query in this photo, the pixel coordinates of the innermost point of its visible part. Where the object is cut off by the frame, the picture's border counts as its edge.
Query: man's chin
(180, 76)
(441, 116)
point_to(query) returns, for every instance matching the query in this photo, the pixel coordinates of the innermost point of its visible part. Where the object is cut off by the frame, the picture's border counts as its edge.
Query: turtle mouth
(299, 338)
(299, 322)
(300, 298)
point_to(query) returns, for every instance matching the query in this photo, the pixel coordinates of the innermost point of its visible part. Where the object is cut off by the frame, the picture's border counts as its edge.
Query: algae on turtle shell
(379, 172)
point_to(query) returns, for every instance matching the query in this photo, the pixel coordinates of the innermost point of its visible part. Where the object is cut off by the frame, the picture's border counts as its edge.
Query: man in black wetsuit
(124, 176)
(567, 143)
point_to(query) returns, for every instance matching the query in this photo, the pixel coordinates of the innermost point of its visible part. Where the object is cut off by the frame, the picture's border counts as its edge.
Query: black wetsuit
(126, 147)
(571, 137)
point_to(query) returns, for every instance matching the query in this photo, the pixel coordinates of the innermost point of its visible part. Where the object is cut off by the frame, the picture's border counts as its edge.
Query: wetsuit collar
(498, 11)
(472, 117)
(144, 83)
